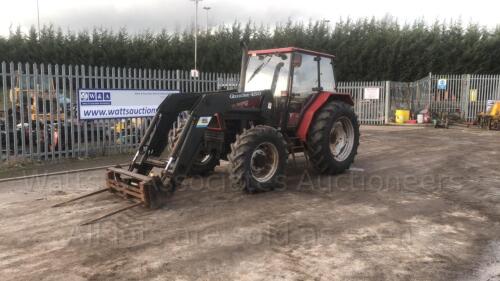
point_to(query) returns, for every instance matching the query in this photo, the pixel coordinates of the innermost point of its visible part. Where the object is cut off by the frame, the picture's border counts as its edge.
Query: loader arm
(155, 139)
(136, 183)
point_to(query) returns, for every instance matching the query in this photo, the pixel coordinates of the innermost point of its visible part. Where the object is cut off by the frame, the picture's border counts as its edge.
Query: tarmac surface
(418, 204)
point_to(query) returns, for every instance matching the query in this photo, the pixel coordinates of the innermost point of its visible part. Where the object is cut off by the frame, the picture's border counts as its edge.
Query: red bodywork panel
(289, 50)
(318, 102)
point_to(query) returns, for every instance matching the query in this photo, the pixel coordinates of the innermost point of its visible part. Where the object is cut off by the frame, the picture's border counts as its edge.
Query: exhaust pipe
(244, 62)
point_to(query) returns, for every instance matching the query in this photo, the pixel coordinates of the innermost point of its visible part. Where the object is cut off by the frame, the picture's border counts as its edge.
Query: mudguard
(314, 105)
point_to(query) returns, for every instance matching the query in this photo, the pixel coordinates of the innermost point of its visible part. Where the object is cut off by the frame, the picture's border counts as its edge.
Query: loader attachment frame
(136, 183)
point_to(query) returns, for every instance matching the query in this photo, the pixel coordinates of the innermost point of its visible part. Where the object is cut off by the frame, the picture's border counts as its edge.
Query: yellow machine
(38, 102)
(491, 118)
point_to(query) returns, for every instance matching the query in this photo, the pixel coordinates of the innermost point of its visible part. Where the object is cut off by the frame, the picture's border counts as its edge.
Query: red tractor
(286, 103)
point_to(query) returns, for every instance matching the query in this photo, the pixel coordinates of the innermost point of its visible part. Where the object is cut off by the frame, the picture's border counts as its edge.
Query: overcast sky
(137, 15)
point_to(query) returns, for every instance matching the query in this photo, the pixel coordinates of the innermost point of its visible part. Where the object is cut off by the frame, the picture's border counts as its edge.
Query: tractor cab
(292, 74)
(289, 70)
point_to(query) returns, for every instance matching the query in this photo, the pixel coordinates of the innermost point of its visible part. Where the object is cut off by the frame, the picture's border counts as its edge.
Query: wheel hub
(341, 139)
(264, 162)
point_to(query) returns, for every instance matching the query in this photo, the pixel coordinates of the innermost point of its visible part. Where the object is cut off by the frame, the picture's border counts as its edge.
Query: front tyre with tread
(258, 159)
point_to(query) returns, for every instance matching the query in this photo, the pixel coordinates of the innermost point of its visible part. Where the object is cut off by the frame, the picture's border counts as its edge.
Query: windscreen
(262, 69)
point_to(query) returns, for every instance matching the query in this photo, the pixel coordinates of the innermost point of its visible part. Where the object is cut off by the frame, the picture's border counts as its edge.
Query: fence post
(5, 94)
(12, 93)
(467, 98)
(430, 89)
(497, 97)
(178, 80)
(387, 101)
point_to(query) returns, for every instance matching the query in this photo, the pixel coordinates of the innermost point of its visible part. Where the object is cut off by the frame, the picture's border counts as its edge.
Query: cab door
(311, 74)
(304, 84)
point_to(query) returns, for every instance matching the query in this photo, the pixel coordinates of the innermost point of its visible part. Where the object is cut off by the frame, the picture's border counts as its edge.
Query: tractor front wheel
(258, 159)
(333, 138)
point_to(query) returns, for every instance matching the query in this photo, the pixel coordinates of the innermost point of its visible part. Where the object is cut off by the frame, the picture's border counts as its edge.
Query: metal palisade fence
(464, 95)
(39, 118)
(38, 108)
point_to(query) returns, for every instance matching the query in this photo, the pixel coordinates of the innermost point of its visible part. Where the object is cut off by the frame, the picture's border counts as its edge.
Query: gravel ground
(418, 204)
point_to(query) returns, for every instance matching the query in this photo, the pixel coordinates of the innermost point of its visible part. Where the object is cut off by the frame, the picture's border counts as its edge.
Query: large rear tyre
(258, 159)
(205, 162)
(333, 138)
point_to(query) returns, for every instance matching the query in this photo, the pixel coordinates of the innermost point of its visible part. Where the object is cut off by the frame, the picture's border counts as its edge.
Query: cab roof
(288, 50)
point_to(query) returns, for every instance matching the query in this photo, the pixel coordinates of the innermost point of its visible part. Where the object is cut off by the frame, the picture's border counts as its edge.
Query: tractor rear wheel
(258, 159)
(205, 162)
(333, 138)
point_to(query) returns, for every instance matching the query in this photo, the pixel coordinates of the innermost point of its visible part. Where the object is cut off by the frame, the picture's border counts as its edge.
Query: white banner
(372, 93)
(106, 104)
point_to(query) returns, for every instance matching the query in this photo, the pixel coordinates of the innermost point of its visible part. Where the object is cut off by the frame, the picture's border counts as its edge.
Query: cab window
(305, 75)
(326, 75)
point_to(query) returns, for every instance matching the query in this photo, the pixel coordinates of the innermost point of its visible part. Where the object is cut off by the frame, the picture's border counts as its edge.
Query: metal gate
(370, 110)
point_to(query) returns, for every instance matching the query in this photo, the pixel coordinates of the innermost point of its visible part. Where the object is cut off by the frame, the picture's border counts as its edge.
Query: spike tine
(80, 197)
(111, 213)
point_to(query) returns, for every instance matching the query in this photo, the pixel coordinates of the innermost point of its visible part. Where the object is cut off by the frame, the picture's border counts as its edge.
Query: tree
(366, 49)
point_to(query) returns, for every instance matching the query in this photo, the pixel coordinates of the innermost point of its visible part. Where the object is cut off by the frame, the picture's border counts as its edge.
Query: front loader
(286, 103)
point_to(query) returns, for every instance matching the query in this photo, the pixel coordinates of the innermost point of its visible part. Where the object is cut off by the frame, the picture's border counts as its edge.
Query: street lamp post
(194, 73)
(38, 17)
(207, 9)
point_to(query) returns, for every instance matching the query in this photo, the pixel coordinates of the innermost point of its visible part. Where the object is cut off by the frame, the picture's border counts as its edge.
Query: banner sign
(108, 104)
(372, 93)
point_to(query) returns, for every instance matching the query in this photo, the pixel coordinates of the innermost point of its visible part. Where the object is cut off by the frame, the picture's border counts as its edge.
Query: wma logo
(95, 98)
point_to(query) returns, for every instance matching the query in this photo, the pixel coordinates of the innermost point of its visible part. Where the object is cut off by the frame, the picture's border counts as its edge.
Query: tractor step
(295, 145)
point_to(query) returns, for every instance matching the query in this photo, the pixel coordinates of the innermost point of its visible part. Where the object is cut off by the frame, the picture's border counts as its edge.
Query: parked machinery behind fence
(36, 107)
(490, 119)
(286, 103)
(41, 115)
